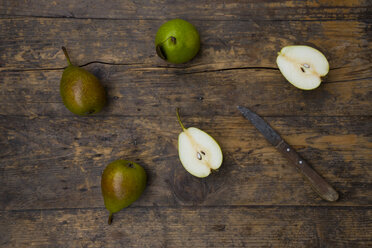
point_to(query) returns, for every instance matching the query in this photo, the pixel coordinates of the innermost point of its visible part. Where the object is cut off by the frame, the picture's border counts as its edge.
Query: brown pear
(122, 183)
(81, 91)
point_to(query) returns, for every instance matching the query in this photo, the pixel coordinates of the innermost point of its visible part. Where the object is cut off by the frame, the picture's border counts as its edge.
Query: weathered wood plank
(57, 162)
(189, 227)
(204, 10)
(51, 161)
(137, 91)
(36, 43)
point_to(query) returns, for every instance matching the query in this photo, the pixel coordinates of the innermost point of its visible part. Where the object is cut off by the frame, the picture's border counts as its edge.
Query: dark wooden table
(51, 160)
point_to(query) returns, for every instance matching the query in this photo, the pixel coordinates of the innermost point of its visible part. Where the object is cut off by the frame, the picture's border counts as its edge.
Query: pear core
(302, 66)
(199, 153)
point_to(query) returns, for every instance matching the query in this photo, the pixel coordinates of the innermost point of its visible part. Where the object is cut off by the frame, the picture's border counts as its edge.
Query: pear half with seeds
(302, 66)
(199, 153)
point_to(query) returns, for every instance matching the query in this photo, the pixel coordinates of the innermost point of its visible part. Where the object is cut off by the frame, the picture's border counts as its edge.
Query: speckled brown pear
(122, 183)
(81, 91)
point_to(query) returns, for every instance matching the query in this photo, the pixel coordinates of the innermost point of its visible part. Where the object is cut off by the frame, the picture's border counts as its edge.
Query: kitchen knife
(318, 183)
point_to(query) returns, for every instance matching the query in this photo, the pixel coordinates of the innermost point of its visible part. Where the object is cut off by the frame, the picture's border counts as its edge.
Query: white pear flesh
(302, 66)
(199, 152)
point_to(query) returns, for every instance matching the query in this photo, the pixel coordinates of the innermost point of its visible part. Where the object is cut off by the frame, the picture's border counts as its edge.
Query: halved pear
(199, 153)
(302, 66)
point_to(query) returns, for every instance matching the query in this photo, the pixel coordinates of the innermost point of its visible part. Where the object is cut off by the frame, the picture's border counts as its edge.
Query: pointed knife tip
(243, 109)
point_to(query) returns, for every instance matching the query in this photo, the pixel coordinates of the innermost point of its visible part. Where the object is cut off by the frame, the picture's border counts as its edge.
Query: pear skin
(122, 183)
(81, 91)
(177, 41)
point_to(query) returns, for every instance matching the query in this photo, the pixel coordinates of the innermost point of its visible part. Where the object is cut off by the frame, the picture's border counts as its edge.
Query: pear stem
(66, 55)
(110, 219)
(173, 39)
(179, 119)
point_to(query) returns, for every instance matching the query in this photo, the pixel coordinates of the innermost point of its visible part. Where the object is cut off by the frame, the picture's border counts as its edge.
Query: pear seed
(306, 66)
(203, 152)
(199, 156)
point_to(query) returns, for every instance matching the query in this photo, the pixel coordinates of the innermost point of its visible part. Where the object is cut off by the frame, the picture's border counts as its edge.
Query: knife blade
(319, 184)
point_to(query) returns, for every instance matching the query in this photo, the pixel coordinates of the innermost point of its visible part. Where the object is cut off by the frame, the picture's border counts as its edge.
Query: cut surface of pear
(302, 66)
(199, 153)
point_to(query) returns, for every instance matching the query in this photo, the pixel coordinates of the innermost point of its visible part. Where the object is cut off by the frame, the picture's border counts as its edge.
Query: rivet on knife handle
(318, 184)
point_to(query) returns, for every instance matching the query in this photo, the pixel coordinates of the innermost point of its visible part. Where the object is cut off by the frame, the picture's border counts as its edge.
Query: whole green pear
(122, 183)
(81, 91)
(177, 41)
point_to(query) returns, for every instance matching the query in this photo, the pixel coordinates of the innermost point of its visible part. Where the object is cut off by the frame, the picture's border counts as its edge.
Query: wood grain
(51, 161)
(206, 10)
(35, 43)
(59, 161)
(134, 91)
(189, 227)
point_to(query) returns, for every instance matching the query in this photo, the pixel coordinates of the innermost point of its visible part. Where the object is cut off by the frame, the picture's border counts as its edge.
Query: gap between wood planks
(176, 68)
(191, 19)
(185, 115)
(361, 207)
(149, 67)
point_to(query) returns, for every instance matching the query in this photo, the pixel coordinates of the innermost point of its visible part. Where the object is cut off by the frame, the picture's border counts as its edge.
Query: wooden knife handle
(318, 183)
